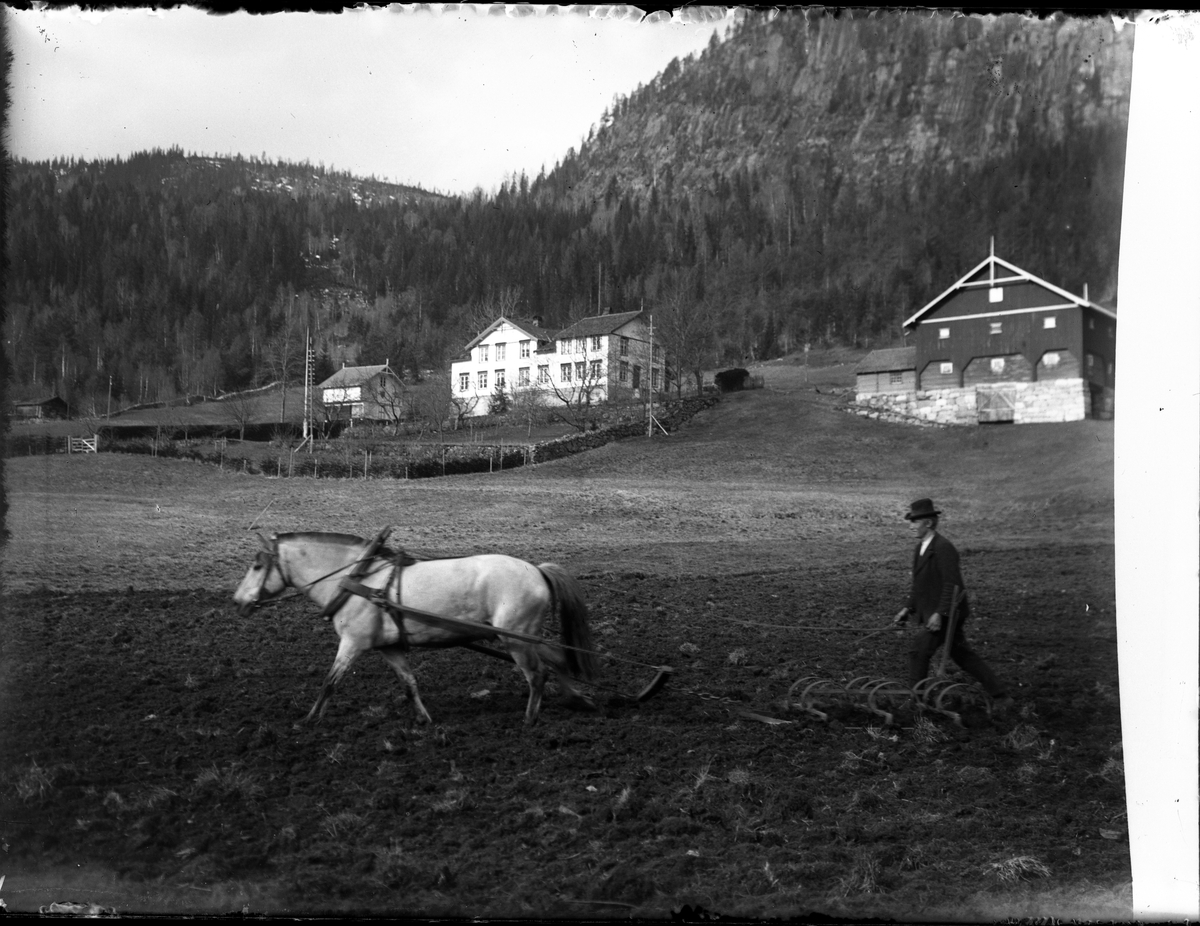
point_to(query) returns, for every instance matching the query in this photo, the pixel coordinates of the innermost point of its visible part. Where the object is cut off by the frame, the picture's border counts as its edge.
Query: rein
(299, 590)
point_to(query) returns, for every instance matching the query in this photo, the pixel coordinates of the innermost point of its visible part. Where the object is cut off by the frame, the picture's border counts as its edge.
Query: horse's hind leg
(348, 651)
(395, 657)
(574, 699)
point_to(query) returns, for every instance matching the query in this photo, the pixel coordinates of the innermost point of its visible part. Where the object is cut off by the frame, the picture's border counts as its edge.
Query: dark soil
(153, 736)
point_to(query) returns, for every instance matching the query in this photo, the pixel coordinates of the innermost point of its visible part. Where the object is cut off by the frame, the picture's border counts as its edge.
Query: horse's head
(263, 580)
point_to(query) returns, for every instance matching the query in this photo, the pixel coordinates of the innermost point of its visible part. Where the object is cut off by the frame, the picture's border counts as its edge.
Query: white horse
(492, 591)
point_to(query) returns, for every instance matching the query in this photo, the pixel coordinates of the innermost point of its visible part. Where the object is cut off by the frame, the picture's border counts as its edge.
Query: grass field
(775, 507)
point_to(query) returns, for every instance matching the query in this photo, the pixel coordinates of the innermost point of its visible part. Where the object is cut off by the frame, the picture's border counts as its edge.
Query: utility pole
(309, 365)
(651, 421)
(109, 413)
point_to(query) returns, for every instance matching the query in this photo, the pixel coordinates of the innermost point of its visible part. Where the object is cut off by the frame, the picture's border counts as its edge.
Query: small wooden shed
(45, 407)
(892, 369)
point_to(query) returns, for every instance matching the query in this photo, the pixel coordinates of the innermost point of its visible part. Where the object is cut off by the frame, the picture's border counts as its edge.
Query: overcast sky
(445, 100)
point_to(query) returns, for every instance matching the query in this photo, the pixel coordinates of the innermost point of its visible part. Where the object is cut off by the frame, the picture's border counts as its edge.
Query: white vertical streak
(1157, 440)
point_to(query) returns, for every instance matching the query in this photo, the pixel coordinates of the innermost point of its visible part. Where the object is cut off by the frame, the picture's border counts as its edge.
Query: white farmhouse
(508, 354)
(591, 361)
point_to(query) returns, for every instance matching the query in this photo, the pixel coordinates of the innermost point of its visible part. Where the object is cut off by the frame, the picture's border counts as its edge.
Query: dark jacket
(934, 576)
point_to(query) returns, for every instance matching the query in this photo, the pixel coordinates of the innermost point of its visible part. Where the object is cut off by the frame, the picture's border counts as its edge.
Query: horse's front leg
(395, 657)
(349, 649)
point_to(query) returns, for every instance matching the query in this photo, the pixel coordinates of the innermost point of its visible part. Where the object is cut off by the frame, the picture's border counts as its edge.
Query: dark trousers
(926, 642)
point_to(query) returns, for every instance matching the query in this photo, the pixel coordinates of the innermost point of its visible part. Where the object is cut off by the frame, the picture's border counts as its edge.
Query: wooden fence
(83, 444)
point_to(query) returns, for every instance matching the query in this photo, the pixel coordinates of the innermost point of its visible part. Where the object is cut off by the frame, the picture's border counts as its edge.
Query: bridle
(269, 552)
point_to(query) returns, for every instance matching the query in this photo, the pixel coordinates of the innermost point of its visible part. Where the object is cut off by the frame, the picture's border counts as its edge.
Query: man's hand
(934, 624)
(901, 617)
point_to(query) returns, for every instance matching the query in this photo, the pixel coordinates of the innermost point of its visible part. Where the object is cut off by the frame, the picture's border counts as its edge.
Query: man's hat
(920, 509)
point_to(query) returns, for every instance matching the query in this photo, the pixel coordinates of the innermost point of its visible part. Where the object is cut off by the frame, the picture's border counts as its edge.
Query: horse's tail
(572, 619)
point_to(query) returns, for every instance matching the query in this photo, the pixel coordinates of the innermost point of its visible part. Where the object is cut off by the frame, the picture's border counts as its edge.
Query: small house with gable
(367, 393)
(1004, 345)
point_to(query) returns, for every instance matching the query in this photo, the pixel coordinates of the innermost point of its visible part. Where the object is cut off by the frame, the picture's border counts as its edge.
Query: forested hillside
(808, 179)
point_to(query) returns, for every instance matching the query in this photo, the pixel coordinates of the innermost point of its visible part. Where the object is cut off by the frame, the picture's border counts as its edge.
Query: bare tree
(496, 303)
(431, 401)
(580, 396)
(240, 408)
(686, 327)
(389, 395)
(529, 404)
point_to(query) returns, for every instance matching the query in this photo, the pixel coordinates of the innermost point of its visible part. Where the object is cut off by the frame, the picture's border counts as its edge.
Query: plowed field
(152, 759)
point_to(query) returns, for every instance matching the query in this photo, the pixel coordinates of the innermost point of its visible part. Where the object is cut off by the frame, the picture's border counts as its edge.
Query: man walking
(936, 573)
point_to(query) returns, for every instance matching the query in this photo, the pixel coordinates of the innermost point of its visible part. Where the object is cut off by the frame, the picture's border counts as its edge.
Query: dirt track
(155, 738)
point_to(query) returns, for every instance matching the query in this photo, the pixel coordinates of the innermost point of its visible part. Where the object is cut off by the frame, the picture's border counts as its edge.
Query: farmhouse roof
(528, 327)
(598, 324)
(1014, 274)
(354, 376)
(888, 359)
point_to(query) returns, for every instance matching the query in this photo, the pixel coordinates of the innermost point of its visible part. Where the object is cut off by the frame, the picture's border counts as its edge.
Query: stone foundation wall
(1034, 403)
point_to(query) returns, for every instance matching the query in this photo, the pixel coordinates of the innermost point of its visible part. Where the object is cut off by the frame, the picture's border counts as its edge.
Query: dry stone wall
(1043, 402)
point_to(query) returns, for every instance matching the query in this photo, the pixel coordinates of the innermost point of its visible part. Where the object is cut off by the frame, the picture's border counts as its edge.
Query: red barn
(1002, 344)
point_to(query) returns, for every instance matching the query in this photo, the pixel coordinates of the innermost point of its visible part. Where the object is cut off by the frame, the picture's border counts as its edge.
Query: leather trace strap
(357, 572)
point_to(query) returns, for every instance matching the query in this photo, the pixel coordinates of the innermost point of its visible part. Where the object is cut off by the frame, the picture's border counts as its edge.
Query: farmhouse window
(580, 367)
(1051, 359)
(595, 342)
(543, 373)
(995, 327)
(483, 353)
(623, 375)
(996, 294)
(943, 334)
(564, 372)
(895, 377)
(524, 349)
(499, 379)
(464, 382)
(1050, 321)
(946, 367)
(501, 351)
(523, 376)
(581, 345)
(564, 347)
(657, 354)
(653, 377)
(483, 379)
(624, 347)
(997, 364)
(637, 376)
(595, 372)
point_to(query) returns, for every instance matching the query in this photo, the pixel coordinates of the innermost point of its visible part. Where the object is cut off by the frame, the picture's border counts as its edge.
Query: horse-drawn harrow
(883, 696)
